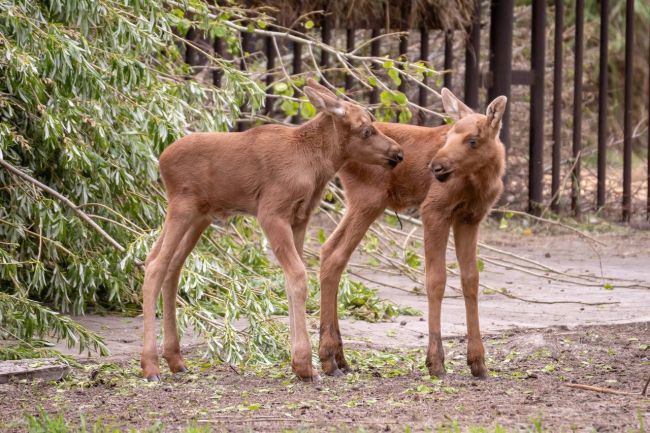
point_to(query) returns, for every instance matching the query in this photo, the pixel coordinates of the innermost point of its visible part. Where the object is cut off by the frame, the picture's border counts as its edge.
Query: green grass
(47, 423)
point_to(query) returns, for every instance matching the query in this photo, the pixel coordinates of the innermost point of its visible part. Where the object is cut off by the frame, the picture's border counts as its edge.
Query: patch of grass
(48, 423)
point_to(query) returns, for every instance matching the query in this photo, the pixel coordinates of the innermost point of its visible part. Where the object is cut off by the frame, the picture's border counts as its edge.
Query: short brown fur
(276, 173)
(466, 182)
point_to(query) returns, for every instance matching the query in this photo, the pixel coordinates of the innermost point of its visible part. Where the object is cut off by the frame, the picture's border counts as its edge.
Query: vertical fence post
(577, 109)
(403, 51)
(501, 17)
(647, 215)
(296, 69)
(472, 58)
(557, 106)
(601, 194)
(375, 48)
(246, 41)
(536, 148)
(349, 79)
(627, 110)
(424, 56)
(217, 73)
(326, 37)
(449, 58)
(269, 50)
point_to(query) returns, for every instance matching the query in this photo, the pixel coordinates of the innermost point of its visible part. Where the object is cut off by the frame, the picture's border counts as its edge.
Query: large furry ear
(324, 102)
(495, 112)
(319, 87)
(453, 106)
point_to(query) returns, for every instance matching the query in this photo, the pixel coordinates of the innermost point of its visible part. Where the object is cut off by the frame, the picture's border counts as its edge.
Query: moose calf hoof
(153, 378)
(180, 369)
(331, 367)
(304, 371)
(436, 368)
(313, 379)
(478, 369)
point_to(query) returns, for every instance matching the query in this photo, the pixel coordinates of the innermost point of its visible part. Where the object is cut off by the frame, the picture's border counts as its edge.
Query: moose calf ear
(495, 112)
(318, 86)
(324, 102)
(453, 106)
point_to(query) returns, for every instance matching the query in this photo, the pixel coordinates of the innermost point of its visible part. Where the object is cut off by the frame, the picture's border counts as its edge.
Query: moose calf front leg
(466, 238)
(435, 246)
(281, 239)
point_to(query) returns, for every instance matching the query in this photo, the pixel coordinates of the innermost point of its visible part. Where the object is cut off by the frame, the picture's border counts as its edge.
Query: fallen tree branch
(21, 174)
(597, 389)
(550, 221)
(534, 301)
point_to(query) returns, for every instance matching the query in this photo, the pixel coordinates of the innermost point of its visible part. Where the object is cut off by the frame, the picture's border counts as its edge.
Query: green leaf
(309, 24)
(394, 75)
(400, 98)
(405, 115)
(280, 88)
(386, 97)
(307, 110)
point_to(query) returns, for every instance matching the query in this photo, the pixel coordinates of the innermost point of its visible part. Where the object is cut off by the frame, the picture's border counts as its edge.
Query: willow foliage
(90, 94)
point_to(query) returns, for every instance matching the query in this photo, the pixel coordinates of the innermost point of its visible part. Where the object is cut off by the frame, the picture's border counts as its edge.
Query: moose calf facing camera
(453, 173)
(276, 173)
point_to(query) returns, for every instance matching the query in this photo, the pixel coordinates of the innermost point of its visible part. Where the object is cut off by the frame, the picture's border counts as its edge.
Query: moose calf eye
(472, 142)
(367, 132)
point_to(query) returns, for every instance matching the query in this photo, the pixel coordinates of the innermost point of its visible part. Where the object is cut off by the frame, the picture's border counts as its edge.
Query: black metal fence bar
(403, 51)
(449, 58)
(350, 42)
(424, 56)
(326, 37)
(217, 73)
(557, 106)
(472, 58)
(648, 154)
(536, 146)
(501, 17)
(296, 69)
(375, 47)
(601, 194)
(577, 108)
(627, 110)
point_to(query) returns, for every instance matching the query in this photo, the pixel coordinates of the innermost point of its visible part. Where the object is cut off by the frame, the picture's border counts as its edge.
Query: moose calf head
(361, 140)
(473, 141)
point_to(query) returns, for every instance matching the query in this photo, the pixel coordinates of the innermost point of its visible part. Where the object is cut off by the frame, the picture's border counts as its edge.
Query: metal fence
(500, 79)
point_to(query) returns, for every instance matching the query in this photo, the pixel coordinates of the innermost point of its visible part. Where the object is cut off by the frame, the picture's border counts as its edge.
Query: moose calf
(467, 161)
(276, 173)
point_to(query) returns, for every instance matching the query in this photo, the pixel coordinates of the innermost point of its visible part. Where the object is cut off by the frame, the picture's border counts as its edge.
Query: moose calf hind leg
(331, 352)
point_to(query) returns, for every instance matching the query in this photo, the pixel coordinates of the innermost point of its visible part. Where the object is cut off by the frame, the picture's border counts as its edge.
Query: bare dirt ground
(542, 333)
(388, 390)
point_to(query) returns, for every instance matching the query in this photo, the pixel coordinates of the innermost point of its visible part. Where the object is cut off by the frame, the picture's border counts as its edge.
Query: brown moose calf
(273, 172)
(467, 160)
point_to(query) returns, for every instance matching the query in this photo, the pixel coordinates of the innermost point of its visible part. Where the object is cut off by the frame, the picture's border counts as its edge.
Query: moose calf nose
(437, 167)
(399, 156)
